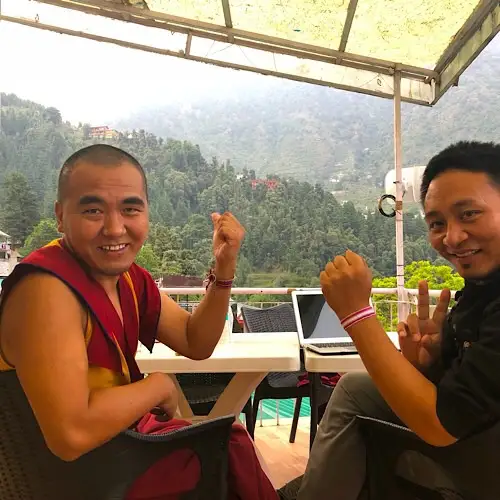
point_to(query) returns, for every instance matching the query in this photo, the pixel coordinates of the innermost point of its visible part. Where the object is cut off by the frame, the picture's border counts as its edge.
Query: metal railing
(388, 308)
(283, 291)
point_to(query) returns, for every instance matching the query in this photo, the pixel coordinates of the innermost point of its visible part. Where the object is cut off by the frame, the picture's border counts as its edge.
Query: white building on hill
(8, 257)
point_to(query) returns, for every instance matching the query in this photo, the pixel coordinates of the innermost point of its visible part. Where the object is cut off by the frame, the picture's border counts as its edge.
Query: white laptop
(318, 327)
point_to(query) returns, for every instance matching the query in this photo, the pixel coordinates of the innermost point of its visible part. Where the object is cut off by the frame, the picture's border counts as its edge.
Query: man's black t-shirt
(468, 375)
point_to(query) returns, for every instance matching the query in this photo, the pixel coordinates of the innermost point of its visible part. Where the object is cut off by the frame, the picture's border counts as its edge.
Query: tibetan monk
(72, 314)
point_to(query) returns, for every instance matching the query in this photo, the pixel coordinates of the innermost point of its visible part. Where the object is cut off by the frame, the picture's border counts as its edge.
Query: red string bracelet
(211, 278)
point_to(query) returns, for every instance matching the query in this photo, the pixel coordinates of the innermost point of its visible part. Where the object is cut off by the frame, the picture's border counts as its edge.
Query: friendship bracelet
(224, 283)
(211, 278)
(355, 313)
(356, 317)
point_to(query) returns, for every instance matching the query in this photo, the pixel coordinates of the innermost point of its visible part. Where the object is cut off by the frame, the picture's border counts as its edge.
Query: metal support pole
(400, 261)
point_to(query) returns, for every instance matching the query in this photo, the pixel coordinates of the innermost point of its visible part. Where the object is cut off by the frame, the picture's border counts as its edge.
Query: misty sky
(93, 81)
(99, 83)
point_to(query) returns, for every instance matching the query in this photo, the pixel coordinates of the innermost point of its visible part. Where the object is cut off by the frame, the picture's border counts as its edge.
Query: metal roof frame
(419, 85)
(481, 27)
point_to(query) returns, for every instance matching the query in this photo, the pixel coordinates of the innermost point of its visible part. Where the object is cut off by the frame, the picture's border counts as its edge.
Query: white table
(318, 363)
(251, 356)
(344, 363)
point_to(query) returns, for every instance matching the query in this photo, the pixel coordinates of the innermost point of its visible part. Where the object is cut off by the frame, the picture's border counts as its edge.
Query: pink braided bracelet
(355, 317)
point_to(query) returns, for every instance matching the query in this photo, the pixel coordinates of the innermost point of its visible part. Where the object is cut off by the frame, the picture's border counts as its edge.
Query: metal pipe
(183, 23)
(400, 261)
(215, 62)
(259, 291)
(351, 10)
(227, 13)
(245, 43)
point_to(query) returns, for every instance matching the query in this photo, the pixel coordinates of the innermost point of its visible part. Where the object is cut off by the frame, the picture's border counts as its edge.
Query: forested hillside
(315, 133)
(293, 229)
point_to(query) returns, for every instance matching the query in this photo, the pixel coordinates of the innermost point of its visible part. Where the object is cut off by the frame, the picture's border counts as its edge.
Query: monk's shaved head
(97, 154)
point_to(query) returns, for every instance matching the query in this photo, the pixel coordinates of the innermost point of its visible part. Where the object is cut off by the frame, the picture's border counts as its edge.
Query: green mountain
(293, 227)
(317, 133)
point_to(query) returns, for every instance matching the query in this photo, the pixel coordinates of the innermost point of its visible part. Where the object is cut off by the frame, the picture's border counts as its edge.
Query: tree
(86, 131)
(386, 305)
(147, 259)
(53, 115)
(293, 228)
(438, 277)
(44, 232)
(243, 270)
(170, 264)
(19, 207)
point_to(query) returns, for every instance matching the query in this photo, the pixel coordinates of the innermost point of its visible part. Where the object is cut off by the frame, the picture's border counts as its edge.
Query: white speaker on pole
(412, 179)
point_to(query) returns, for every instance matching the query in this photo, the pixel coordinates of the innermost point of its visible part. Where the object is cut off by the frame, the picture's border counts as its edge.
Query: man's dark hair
(471, 156)
(99, 154)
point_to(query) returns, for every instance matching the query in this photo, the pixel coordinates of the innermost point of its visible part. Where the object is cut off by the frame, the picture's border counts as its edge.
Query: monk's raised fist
(227, 239)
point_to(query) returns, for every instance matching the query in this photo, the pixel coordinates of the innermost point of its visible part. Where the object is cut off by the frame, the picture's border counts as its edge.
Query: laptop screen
(318, 322)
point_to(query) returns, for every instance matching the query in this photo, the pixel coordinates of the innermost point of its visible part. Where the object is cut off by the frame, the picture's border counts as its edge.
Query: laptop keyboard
(343, 344)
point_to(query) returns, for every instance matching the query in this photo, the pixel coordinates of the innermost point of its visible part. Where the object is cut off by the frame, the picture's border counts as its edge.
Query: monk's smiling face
(104, 216)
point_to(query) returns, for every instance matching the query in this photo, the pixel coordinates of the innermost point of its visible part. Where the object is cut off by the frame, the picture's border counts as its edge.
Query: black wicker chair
(29, 471)
(283, 385)
(471, 466)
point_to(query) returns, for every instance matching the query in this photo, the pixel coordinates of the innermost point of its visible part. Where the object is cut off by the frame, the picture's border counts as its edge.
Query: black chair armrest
(216, 426)
(134, 453)
(472, 463)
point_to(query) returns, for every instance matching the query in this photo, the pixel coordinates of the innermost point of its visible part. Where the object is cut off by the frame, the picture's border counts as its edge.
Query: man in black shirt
(446, 384)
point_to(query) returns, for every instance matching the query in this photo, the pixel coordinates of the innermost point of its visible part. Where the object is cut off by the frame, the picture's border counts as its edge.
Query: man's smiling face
(462, 211)
(104, 216)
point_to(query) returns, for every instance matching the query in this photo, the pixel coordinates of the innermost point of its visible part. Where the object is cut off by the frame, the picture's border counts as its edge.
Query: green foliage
(44, 232)
(149, 260)
(293, 230)
(267, 300)
(19, 207)
(438, 277)
(386, 305)
(243, 271)
(388, 282)
(53, 115)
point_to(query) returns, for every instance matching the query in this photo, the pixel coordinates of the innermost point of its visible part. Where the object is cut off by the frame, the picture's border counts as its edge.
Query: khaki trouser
(337, 465)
